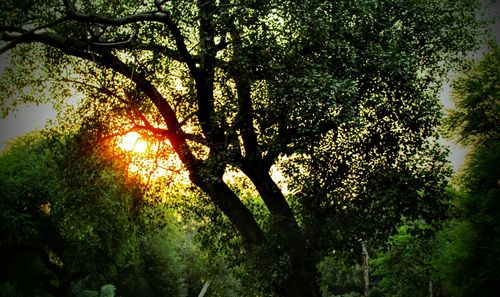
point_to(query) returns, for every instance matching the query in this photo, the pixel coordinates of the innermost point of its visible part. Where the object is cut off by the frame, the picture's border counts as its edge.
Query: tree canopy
(351, 86)
(474, 120)
(458, 257)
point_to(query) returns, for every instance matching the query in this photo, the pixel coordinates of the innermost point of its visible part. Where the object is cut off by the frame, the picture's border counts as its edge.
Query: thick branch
(23, 32)
(245, 118)
(134, 46)
(210, 125)
(161, 15)
(179, 40)
(233, 208)
(245, 109)
(269, 192)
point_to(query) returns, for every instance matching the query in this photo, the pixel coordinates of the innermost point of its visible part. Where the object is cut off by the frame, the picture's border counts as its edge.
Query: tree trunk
(285, 237)
(284, 240)
(366, 269)
(302, 280)
(230, 204)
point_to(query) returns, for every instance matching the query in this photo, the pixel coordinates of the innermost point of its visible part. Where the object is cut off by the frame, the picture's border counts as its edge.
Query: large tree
(243, 83)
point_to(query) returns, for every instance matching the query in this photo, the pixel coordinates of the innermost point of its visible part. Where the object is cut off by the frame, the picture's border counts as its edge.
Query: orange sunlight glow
(132, 142)
(151, 158)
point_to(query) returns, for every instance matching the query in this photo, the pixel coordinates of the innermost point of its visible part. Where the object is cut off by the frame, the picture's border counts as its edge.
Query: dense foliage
(49, 214)
(72, 224)
(344, 93)
(406, 267)
(461, 259)
(470, 262)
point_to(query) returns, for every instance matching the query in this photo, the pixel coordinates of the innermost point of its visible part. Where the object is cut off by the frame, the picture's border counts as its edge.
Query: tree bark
(270, 193)
(286, 237)
(366, 269)
(230, 204)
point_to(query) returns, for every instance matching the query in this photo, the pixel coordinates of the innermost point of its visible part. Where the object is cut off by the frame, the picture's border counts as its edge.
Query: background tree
(470, 260)
(457, 257)
(405, 266)
(244, 83)
(49, 216)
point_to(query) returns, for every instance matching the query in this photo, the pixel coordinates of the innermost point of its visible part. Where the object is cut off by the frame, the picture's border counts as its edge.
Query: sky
(27, 118)
(30, 117)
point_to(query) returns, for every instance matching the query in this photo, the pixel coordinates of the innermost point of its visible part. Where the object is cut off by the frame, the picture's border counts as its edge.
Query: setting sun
(150, 158)
(132, 142)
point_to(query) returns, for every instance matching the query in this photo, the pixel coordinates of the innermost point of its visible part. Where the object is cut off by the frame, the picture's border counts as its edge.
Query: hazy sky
(30, 117)
(27, 118)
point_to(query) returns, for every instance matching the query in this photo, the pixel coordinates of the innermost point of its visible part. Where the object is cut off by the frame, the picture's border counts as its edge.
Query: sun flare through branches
(150, 158)
(132, 142)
